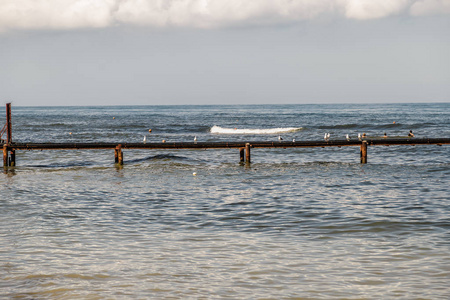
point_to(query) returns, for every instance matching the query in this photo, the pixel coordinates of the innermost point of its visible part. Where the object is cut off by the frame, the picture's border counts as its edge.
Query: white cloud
(217, 13)
(36, 14)
(67, 14)
(373, 9)
(430, 7)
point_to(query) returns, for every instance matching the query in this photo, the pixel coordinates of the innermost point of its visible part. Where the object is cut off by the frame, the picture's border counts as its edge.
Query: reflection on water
(317, 230)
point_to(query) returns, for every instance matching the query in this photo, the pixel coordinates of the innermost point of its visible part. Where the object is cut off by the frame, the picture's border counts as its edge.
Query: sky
(167, 52)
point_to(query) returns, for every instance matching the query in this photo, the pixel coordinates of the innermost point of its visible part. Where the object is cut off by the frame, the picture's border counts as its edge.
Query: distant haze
(123, 52)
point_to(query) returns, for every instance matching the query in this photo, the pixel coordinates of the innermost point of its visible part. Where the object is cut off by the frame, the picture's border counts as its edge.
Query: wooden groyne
(10, 148)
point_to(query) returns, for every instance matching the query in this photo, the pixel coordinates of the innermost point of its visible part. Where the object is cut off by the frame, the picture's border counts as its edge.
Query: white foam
(220, 130)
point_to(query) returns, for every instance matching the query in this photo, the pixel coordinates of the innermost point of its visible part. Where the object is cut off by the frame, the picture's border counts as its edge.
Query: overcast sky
(139, 52)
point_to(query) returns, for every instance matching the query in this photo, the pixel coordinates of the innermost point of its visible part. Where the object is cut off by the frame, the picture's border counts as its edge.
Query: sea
(295, 223)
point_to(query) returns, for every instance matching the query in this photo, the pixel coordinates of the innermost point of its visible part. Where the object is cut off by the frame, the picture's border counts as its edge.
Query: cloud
(58, 14)
(430, 7)
(72, 14)
(218, 13)
(373, 9)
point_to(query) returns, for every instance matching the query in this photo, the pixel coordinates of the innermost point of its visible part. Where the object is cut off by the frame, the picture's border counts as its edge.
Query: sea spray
(221, 130)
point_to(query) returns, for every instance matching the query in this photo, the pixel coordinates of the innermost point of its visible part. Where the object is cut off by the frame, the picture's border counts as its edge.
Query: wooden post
(120, 157)
(5, 156)
(119, 154)
(8, 123)
(12, 157)
(242, 154)
(116, 155)
(247, 153)
(364, 152)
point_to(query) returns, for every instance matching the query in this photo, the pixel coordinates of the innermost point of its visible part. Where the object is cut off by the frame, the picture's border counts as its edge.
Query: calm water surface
(295, 224)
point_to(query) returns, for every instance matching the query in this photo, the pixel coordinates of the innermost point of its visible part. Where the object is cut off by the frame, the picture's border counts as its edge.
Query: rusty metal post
(364, 152)
(5, 156)
(242, 154)
(8, 123)
(247, 153)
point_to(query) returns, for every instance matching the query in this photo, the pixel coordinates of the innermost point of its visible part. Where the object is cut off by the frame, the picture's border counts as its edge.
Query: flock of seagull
(145, 139)
(326, 137)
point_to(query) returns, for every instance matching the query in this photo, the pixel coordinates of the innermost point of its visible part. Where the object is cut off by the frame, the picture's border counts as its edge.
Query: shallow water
(296, 223)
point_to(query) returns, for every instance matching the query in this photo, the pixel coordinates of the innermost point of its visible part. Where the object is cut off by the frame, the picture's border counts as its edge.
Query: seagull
(293, 140)
(348, 137)
(280, 138)
(325, 136)
(195, 139)
(145, 139)
(359, 136)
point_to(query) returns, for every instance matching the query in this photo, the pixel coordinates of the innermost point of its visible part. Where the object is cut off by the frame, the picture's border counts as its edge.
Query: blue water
(308, 223)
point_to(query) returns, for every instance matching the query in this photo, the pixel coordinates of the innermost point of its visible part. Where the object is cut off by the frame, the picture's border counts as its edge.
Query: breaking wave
(221, 130)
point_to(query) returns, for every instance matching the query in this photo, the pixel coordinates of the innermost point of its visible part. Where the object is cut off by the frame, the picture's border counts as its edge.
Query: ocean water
(293, 224)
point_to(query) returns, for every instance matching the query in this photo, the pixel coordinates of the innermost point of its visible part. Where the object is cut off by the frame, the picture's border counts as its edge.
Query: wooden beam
(247, 153)
(244, 147)
(5, 156)
(228, 145)
(364, 152)
(119, 154)
(12, 157)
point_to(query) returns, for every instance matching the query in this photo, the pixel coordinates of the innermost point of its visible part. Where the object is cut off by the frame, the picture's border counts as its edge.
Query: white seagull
(145, 139)
(325, 136)
(347, 137)
(280, 138)
(359, 136)
(195, 139)
(293, 140)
